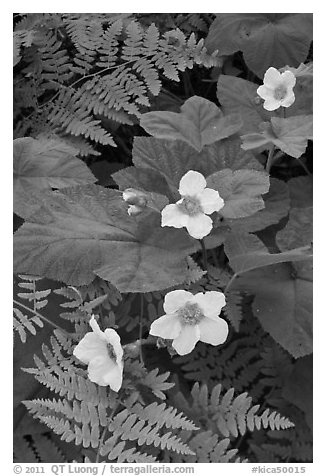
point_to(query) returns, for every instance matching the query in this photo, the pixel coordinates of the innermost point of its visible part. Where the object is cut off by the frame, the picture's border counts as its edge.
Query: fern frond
(210, 449)
(115, 450)
(81, 422)
(157, 383)
(23, 451)
(84, 148)
(231, 416)
(85, 31)
(47, 450)
(237, 363)
(117, 65)
(145, 429)
(54, 63)
(22, 323)
(37, 297)
(70, 114)
(233, 309)
(195, 273)
(162, 415)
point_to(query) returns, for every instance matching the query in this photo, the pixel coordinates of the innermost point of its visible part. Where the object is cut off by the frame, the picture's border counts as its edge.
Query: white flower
(190, 318)
(277, 89)
(103, 353)
(196, 203)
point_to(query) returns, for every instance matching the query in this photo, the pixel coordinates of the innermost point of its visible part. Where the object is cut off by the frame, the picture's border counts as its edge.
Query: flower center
(280, 92)
(191, 206)
(111, 353)
(191, 314)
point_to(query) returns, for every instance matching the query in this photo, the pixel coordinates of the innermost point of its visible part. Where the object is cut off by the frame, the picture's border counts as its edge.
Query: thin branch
(104, 433)
(101, 444)
(230, 283)
(270, 159)
(56, 326)
(305, 168)
(204, 254)
(141, 328)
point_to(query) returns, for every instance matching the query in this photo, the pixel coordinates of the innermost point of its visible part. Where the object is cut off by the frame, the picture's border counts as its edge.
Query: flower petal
(212, 331)
(211, 303)
(167, 327)
(173, 216)
(199, 225)
(188, 338)
(105, 372)
(192, 183)
(272, 78)
(96, 328)
(265, 92)
(90, 347)
(271, 104)
(210, 201)
(113, 338)
(288, 100)
(289, 79)
(175, 300)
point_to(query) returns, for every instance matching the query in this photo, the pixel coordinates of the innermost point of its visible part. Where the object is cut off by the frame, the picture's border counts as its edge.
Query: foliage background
(280, 446)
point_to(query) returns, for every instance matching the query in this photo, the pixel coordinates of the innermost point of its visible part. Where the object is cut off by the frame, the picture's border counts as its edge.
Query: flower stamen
(280, 92)
(111, 352)
(191, 206)
(191, 314)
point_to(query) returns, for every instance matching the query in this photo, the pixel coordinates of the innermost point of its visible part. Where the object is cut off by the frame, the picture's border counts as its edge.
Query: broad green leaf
(283, 304)
(85, 230)
(301, 191)
(256, 140)
(241, 191)
(142, 178)
(41, 164)
(174, 159)
(199, 123)
(247, 252)
(302, 71)
(277, 204)
(103, 170)
(240, 96)
(266, 39)
(298, 230)
(290, 135)
(227, 154)
(303, 90)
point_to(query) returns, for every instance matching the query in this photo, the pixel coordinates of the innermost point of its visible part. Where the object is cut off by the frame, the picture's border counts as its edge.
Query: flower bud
(134, 210)
(135, 197)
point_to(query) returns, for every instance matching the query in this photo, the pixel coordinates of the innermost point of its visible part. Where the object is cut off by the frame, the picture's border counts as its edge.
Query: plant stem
(270, 158)
(42, 317)
(104, 433)
(204, 254)
(100, 444)
(230, 283)
(304, 167)
(214, 256)
(141, 329)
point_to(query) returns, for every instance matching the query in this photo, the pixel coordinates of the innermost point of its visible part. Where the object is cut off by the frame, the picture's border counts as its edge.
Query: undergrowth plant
(163, 237)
